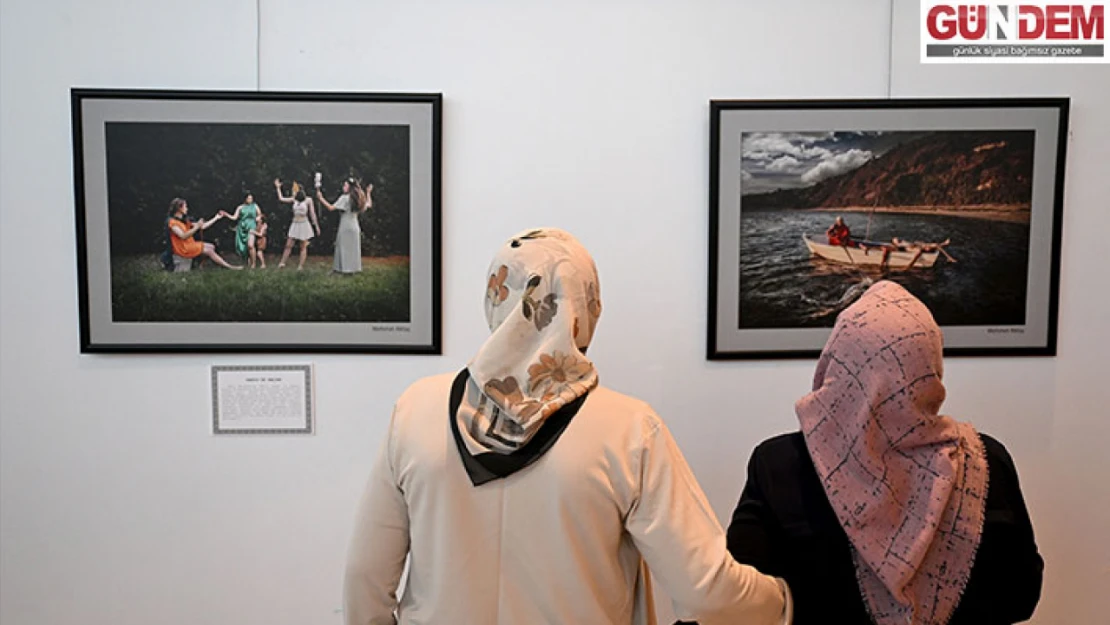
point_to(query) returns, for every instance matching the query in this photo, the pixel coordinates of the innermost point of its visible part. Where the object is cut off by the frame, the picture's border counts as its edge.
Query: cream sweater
(564, 541)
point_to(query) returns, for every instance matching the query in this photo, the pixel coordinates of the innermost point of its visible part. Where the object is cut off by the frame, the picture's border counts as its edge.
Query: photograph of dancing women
(350, 226)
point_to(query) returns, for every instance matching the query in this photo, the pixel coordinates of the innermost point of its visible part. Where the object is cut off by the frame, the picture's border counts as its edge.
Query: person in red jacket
(838, 233)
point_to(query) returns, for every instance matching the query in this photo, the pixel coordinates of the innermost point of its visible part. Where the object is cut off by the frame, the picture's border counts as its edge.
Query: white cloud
(744, 175)
(786, 165)
(836, 164)
(806, 137)
(763, 146)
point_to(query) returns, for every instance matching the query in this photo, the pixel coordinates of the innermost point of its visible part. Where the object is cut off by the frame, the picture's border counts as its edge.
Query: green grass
(143, 291)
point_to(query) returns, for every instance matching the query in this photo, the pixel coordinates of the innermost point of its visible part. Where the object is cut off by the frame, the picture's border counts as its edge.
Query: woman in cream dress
(348, 240)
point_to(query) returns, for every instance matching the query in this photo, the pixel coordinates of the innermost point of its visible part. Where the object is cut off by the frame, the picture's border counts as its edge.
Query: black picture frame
(773, 330)
(404, 138)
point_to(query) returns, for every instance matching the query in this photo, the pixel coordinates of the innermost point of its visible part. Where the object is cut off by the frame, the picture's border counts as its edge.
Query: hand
(277, 182)
(369, 188)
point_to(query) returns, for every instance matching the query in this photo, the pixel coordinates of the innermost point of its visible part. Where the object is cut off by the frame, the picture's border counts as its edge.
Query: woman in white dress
(348, 240)
(304, 211)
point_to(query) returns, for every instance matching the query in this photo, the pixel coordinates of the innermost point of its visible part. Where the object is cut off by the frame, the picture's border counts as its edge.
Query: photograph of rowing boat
(946, 213)
(812, 201)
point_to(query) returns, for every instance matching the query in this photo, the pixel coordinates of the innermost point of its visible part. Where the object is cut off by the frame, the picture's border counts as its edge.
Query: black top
(784, 526)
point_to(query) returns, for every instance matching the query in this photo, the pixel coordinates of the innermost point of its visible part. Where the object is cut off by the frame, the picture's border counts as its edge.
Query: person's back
(523, 492)
(785, 526)
(546, 544)
(878, 510)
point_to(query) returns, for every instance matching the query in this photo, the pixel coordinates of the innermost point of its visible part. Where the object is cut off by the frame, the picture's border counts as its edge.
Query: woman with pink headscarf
(881, 510)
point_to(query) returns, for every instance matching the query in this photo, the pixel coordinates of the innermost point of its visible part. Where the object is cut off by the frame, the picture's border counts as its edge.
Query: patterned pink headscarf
(908, 485)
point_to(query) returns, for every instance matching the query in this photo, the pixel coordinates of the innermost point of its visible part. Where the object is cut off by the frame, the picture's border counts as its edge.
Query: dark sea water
(782, 287)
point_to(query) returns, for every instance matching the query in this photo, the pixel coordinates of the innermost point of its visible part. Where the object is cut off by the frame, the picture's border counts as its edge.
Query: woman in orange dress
(182, 238)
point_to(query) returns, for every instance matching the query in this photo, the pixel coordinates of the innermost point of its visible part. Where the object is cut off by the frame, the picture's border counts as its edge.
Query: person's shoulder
(422, 403)
(432, 384)
(998, 457)
(782, 450)
(780, 443)
(611, 415)
(1004, 485)
(620, 406)
(609, 395)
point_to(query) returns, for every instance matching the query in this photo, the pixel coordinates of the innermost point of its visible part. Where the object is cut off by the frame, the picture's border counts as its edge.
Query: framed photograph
(262, 399)
(812, 201)
(258, 222)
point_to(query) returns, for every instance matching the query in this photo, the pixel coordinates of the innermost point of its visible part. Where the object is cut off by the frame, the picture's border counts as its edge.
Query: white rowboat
(902, 258)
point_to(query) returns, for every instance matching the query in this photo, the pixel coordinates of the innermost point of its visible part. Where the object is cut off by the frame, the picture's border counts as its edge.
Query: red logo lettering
(976, 15)
(941, 22)
(1030, 22)
(1055, 22)
(1087, 26)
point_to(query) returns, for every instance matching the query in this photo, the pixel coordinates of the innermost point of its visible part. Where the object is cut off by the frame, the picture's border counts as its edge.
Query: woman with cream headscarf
(878, 510)
(522, 492)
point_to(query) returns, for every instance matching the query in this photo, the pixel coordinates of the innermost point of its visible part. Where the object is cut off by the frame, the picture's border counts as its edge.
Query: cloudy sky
(784, 160)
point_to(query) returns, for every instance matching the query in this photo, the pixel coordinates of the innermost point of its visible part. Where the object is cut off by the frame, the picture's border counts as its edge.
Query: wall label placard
(262, 399)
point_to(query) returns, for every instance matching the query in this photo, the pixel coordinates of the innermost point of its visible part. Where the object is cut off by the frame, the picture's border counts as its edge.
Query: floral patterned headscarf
(542, 304)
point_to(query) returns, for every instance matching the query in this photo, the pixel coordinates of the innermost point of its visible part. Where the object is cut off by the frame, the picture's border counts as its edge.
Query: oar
(946, 254)
(920, 251)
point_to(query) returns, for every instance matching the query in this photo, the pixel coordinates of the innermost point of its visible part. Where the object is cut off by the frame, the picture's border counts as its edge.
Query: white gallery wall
(119, 507)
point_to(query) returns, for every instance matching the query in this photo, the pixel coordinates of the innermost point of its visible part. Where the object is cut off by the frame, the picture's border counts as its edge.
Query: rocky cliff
(951, 169)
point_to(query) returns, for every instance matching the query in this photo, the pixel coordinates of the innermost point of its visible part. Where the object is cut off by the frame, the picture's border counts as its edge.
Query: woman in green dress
(247, 217)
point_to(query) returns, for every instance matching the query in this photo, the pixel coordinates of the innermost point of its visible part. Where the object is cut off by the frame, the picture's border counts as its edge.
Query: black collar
(489, 466)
